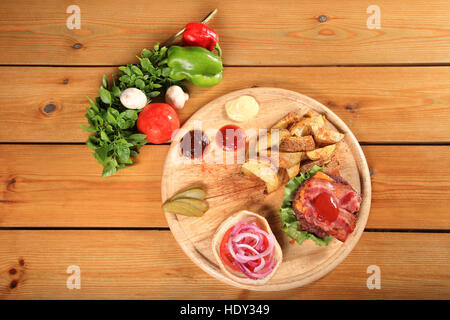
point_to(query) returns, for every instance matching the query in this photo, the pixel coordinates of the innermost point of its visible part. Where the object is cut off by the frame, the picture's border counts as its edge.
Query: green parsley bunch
(116, 139)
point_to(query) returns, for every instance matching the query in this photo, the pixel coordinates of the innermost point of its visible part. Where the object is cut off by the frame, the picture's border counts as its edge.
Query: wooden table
(390, 85)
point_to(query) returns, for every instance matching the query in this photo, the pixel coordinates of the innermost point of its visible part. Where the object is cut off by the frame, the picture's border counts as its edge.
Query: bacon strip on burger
(325, 205)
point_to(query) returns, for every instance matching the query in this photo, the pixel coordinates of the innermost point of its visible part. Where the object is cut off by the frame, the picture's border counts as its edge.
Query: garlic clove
(176, 97)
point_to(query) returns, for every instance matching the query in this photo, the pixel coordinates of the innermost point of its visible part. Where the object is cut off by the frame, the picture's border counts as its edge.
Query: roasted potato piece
(264, 170)
(283, 177)
(297, 144)
(266, 141)
(289, 159)
(317, 122)
(303, 127)
(309, 165)
(293, 171)
(300, 128)
(321, 153)
(325, 137)
(309, 114)
(289, 119)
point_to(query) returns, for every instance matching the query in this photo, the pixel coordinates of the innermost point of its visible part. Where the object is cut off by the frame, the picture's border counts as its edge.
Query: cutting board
(228, 191)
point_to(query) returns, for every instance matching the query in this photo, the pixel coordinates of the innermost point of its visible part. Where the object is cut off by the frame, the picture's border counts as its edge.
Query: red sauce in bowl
(193, 144)
(230, 137)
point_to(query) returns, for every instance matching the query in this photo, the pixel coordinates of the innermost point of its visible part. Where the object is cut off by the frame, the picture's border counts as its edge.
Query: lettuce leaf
(289, 222)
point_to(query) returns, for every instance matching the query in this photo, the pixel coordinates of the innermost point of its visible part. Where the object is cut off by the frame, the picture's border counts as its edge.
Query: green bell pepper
(199, 66)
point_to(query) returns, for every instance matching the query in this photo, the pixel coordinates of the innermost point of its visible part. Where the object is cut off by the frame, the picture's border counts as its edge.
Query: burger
(319, 206)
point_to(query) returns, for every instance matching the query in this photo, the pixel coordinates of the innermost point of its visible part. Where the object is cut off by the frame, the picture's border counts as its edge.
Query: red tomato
(158, 121)
(224, 253)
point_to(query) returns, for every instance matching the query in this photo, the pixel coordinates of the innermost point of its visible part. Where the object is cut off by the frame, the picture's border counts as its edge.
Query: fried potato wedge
(309, 165)
(289, 159)
(325, 137)
(300, 128)
(317, 122)
(304, 126)
(289, 119)
(297, 144)
(267, 142)
(321, 153)
(293, 171)
(264, 170)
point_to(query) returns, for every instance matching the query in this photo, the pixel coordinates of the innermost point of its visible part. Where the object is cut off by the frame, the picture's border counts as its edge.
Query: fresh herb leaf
(105, 81)
(109, 168)
(116, 138)
(88, 129)
(105, 95)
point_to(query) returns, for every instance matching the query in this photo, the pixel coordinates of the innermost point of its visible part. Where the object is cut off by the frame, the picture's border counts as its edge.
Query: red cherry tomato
(158, 121)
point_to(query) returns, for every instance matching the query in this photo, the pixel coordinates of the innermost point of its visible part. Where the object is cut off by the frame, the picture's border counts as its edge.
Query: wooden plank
(150, 265)
(61, 186)
(410, 187)
(113, 32)
(379, 104)
(64, 183)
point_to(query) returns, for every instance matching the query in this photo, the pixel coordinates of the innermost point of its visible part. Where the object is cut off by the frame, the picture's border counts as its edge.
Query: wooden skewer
(169, 41)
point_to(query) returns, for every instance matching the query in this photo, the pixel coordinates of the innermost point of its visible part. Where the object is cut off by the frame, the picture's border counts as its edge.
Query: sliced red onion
(246, 246)
(241, 236)
(261, 265)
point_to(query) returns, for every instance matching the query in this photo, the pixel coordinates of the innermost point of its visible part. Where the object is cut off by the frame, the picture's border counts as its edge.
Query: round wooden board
(229, 192)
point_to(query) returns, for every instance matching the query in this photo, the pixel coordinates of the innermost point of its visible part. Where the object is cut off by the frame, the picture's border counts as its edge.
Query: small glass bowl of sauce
(231, 137)
(194, 144)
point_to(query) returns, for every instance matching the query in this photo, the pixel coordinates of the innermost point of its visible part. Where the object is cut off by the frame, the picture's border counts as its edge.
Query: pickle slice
(182, 208)
(199, 204)
(194, 193)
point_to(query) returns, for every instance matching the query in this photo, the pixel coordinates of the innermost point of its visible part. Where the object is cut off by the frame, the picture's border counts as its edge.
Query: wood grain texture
(150, 265)
(380, 104)
(61, 186)
(229, 192)
(113, 32)
(409, 190)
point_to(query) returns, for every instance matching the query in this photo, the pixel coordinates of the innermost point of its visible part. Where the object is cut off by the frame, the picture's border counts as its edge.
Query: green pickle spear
(195, 193)
(182, 208)
(189, 202)
(199, 204)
